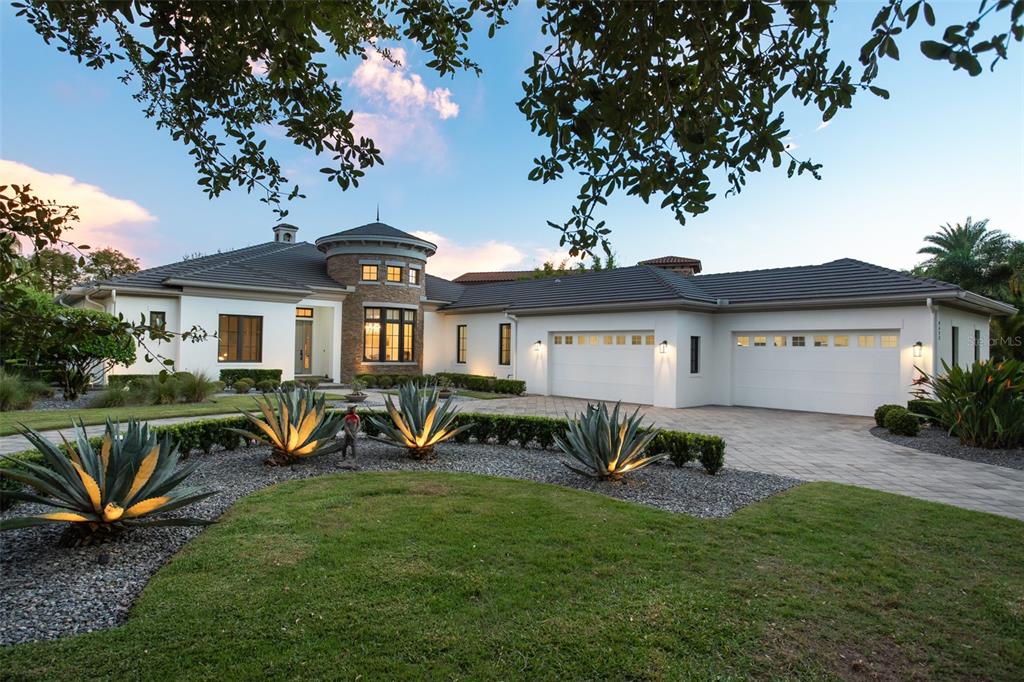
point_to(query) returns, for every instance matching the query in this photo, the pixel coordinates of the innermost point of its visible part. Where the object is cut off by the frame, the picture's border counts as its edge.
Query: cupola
(283, 232)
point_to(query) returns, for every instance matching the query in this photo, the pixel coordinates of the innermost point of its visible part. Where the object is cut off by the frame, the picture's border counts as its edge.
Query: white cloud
(104, 220)
(823, 125)
(453, 259)
(378, 78)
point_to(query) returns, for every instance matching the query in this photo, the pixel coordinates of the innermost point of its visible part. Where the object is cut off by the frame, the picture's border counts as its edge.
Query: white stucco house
(841, 337)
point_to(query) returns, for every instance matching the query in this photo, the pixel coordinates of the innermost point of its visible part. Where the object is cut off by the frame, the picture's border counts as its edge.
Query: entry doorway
(303, 347)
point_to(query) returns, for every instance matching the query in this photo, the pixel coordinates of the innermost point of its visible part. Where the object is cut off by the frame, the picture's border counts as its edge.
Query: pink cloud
(453, 258)
(377, 78)
(104, 220)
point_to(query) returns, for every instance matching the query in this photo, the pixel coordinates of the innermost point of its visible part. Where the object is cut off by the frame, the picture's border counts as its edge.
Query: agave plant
(419, 422)
(132, 478)
(607, 446)
(298, 426)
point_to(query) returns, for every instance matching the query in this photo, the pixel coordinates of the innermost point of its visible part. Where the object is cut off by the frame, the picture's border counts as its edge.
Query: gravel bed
(50, 591)
(937, 441)
(57, 402)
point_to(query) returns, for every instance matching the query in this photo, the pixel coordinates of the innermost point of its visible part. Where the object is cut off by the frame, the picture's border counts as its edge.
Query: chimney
(677, 264)
(283, 232)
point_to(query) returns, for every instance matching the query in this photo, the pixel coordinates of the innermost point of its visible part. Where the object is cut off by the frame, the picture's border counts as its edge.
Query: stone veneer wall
(345, 269)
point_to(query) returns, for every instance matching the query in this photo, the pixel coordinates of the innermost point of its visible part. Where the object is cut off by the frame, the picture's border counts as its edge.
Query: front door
(303, 346)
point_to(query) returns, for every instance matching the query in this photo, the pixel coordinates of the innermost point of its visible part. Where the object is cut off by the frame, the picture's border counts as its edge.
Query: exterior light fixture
(536, 346)
(663, 346)
(917, 349)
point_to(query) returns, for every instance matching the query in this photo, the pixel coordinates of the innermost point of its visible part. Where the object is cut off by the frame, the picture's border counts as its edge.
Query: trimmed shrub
(477, 382)
(369, 379)
(384, 381)
(900, 422)
(230, 376)
(289, 385)
(310, 382)
(881, 411)
(266, 386)
(923, 408)
(126, 379)
(712, 453)
(242, 386)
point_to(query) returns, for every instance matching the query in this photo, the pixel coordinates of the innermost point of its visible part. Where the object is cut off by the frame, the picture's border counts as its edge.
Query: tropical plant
(969, 255)
(983, 405)
(607, 446)
(296, 427)
(132, 478)
(115, 395)
(419, 422)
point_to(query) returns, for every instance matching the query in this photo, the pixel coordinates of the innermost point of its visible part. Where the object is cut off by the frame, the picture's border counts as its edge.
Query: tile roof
(377, 229)
(493, 276)
(843, 278)
(271, 265)
(440, 289)
(670, 260)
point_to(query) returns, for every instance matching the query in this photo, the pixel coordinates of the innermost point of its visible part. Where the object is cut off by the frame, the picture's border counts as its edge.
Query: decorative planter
(444, 394)
(355, 397)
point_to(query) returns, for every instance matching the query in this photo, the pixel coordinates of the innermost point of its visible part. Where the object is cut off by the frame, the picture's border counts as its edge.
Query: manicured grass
(59, 419)
(434, 576)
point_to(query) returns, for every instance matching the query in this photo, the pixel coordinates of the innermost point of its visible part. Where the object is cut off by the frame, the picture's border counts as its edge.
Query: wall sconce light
(917, 349)
(536, 346)
(663, 346)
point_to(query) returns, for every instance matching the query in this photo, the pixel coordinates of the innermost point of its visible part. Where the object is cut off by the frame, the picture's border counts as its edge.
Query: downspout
(515, 345)
(935, 341)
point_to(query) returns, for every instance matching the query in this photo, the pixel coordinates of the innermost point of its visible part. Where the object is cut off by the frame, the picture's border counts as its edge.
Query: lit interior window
(558, 340)
(820, 341)
(742, 341)
(368, 273)
(779, 341)
(620, 340)
(568, 340)
(608, 340)
(840, 341)
(649, 341)
(303, 312)
(890, 340)
(582, 340)
(760, 340)
(394, 273)
(637, 340)
(866, 341)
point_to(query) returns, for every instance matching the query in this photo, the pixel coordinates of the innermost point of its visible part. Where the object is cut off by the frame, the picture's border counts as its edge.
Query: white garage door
(847, 372)
(603, 365)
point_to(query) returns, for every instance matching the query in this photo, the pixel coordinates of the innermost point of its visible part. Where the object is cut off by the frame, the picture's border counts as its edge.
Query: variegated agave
(298, 426)
(419, 422)
(606, 445)
(130, 479)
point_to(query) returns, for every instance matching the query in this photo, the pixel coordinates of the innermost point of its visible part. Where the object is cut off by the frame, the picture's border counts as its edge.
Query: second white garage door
(848, 372)
(603, 365)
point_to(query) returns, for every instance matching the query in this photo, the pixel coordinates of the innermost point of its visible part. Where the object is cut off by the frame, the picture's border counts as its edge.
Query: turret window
(368, 273)
(394, 273)
(389, 335)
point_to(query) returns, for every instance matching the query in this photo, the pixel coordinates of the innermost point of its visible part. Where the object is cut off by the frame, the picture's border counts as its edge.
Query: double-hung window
(460, 344)
(505, 344)
(414, 276)
(240, 338)
(389, 334)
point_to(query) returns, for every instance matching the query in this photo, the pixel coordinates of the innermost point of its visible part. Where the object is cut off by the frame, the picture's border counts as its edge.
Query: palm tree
(969, 255)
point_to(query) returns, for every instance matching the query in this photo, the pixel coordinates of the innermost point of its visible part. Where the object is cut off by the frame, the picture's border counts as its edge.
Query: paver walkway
(818, 447)
(805, 445)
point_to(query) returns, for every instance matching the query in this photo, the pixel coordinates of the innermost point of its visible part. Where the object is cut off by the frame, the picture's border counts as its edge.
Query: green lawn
(433, 576)
(59, 419)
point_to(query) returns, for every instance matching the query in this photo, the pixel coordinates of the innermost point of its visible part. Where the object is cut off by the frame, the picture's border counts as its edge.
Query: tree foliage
(987, 262)
(661, 100)
(72, 343)
(108, 263)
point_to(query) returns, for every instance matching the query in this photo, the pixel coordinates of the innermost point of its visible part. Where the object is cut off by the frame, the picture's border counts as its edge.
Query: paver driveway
(818, 447)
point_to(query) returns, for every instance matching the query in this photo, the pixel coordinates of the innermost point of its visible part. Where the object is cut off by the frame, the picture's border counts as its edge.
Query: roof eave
(235, 287)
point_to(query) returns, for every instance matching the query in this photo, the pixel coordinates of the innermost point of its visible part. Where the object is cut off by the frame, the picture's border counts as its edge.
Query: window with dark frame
(977, 345)
(460, 344)
(955, 337)
(414, 276)
(157, 322)
(368, 273)
(240, 338)
(505, 344)
(389, 334)
(304, 312)
(394, 273)
(694, 355)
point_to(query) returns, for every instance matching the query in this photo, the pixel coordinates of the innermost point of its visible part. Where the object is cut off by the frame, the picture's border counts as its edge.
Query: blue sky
(944, 147)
